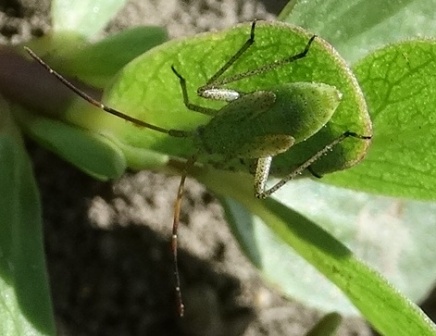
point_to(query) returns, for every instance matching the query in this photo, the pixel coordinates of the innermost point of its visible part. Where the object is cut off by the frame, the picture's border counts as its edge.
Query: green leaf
(366, 289)
(367, 224)
(327, 326)
(97, 63)
(399, 86)
(84, 17)
(90, 152)
(356, 27)
(148, 90)
(25, 307)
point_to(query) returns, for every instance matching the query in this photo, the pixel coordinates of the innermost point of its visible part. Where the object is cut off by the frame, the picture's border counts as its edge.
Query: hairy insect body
(267, 123)
(253, 132)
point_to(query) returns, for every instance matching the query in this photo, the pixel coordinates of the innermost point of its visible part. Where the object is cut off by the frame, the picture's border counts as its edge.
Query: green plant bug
(251, 129)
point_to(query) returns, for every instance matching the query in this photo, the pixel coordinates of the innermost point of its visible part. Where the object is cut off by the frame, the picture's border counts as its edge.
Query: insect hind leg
(260, 191)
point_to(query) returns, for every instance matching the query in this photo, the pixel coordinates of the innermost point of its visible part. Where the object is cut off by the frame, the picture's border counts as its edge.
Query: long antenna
(99, 104)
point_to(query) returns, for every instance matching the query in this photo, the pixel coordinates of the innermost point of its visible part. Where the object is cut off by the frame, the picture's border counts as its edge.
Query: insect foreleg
(211, 82)
(212, 90)
(314, 173)
(267, 67)
(262, 175)
(188, 104)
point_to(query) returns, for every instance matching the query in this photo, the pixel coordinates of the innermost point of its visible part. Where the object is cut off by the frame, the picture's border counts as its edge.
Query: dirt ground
(107, 244)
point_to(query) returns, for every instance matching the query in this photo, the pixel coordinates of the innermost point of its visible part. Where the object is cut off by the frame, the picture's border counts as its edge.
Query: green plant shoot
(251, 129)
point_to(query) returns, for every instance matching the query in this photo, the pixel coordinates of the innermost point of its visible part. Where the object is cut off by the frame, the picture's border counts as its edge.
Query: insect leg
(175, 235)
(213, 89)
(266, 67)
(188, 104)
(211, 82)
(261, 175)
(260, 191)
(314, 173)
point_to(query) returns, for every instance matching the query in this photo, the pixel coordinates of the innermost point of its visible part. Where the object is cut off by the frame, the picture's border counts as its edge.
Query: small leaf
(25, 307)
(327, 326)
(90, 152)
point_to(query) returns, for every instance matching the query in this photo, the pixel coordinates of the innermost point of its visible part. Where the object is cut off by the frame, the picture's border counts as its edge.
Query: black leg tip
(358, 136)
(173, 68)
(314, 173)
